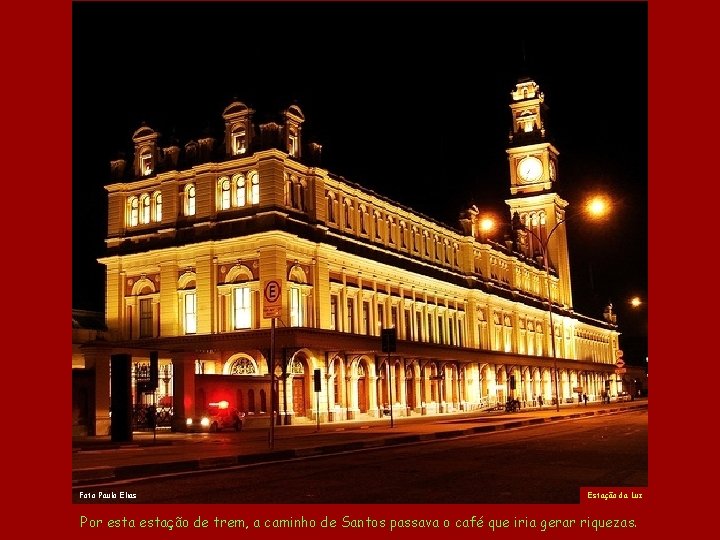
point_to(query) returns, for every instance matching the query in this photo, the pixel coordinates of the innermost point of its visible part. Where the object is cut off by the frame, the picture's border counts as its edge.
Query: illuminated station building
(198, 236)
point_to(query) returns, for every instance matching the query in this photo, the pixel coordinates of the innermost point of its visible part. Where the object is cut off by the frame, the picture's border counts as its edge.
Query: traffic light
(389, 339)
(316, 380)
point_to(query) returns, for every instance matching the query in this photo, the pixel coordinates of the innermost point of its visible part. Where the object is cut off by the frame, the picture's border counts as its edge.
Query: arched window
(239, 190)
(158, 206)
(190, 313)
(190, 200)
(302, 189)
(297, 278)
(363, 214)
(331, 207)
(403, 243)
(348, 214)
(242, 307)
(224, 193)
(145, 209)
(133, 217)
(289, 194)
(255, 188)
(376, 224)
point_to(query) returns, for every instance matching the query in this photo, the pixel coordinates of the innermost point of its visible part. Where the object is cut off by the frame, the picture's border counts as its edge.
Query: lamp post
(597, 207)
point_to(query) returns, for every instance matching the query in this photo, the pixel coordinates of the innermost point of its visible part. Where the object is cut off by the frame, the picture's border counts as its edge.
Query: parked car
(219, 416)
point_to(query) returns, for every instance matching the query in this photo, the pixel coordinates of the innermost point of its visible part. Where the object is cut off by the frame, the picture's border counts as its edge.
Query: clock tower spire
(533, 162)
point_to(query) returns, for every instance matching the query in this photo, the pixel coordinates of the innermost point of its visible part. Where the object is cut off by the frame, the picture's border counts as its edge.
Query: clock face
(530, 169)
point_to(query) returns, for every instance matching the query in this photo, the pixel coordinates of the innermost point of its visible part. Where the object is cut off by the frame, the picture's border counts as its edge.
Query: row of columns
(436, 387)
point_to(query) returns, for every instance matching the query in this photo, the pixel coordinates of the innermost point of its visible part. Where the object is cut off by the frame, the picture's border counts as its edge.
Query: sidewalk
(97, 459)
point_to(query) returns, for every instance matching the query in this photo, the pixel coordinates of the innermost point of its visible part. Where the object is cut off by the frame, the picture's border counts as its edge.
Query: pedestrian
(585, 398)
(540, 401)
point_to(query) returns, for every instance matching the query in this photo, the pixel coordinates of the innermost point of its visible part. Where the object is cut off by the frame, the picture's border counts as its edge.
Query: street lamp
(597, 206)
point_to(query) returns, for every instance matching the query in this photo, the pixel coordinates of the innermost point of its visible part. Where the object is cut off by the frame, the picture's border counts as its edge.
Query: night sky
(408, 99)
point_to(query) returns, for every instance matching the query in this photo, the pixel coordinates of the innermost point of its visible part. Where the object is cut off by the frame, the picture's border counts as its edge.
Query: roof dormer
(146, 151)
(293, 122)
(238, 128)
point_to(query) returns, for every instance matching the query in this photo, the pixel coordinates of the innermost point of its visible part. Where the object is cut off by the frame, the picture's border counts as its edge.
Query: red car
(219, 416)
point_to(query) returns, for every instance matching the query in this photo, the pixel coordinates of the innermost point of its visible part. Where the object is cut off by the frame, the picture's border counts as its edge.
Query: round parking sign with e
(272, 291)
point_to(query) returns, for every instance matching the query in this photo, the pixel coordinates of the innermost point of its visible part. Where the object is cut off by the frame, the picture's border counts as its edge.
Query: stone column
(183, 389)
(99, 413)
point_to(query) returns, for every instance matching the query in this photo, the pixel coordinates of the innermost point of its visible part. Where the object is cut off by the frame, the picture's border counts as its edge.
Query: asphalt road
(544, 463)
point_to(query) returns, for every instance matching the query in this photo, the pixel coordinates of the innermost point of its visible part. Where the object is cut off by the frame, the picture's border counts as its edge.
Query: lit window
(145, 209)
(146, 164)
(239, 142)
(240, 190)
(190, 200)
(224, 194)
(133, 212)
(243, 311)
(255, 188)
(190, 314)
(296, 311)
(293, 143)
(158, 207)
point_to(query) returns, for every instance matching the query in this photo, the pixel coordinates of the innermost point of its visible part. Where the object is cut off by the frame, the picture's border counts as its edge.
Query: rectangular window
(350, 315)
(393, 316)
(146, 318)
(451, 330)
(431, 336)
(441, 334)
(190, 314)
(296, 311)
(418, 323)
(366, 318)
(381, 316)
(460, 333)
(145, 164)
(242, 308)
(333, 312)
(239, 142)
(408, 325)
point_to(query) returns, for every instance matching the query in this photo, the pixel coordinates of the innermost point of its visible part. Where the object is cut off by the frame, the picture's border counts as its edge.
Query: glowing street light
(597, 206)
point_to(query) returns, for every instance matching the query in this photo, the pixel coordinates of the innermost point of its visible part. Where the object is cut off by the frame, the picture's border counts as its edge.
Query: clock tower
(533, 162)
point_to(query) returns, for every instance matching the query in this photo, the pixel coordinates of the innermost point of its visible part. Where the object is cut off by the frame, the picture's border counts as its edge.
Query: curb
(106, 473)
